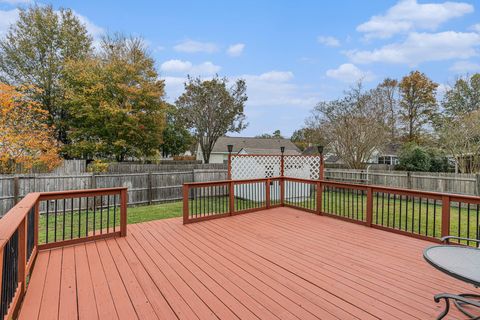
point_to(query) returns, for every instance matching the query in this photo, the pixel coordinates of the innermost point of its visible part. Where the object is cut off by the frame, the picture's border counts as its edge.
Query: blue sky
(291, 53)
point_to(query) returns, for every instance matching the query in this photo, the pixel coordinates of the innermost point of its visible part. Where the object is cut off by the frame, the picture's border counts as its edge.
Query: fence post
(267, 193)
(409, 180)
(319, 197)
(150, 189)
(231, 195)
(477, 184)
(16, 190)
(446, 216)
(93, 181)
(369, 216)
(22, 255)
(123, 212)
(185, 204)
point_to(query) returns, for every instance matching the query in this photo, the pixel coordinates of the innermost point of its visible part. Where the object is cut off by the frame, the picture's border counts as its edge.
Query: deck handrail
(422, 214)
(20, 243)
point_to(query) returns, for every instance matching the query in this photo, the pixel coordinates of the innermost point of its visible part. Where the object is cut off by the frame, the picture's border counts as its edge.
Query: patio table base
(460, 300)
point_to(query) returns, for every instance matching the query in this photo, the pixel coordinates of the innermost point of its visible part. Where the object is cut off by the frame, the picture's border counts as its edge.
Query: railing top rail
(376, 188)
(79, 193)
(10, 221)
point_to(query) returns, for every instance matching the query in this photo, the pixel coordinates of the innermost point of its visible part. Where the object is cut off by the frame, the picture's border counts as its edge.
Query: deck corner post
(123, 212)
(369, 216)
(445, 215)
(185, 204)
(231, 197)
(319, 197)
(36, 223)
(267, 193)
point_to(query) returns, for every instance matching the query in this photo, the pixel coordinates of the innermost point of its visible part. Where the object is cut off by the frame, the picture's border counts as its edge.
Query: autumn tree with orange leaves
(26, 140)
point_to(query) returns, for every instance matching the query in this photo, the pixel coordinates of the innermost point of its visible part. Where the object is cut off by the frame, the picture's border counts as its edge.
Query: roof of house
(255, 145)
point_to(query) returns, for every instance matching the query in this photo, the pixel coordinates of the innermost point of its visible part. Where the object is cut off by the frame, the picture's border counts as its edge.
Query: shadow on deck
(278, 263)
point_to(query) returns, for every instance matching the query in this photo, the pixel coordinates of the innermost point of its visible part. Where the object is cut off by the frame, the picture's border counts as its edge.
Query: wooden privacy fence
(458, 183)
(99, 214)
(143, 188)
(424, 215)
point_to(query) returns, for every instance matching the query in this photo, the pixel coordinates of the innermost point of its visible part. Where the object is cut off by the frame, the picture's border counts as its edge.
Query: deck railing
(53, 219)
(424, 215)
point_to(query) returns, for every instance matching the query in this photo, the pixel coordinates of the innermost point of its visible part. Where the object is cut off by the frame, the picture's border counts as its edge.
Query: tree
(306, 137)
(417, 104)
(176, 138)
(211, 110)
(464, 97)
(34, 52)
(460, 137)
(25, 139)
(275, 135)
(353, 127)
(412, 157)
(386, 95)
(115, 102)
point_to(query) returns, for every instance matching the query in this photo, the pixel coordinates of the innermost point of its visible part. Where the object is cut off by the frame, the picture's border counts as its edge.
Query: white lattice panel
(303, 167)
(255, 167)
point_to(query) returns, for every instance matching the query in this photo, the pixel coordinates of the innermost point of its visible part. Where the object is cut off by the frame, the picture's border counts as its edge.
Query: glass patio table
(462, 263)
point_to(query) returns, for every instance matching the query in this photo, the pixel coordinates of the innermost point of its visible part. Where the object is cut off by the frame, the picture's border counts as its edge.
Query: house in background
(248, 145)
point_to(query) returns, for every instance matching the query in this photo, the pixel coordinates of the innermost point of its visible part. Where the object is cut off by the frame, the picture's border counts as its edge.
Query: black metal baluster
(394, 208)
(71, 220)
(459, 219)
(86, 219)
(434, 216)
(79, 215)
(383, 207)
(63, 221)
(413, 214)
(388, 209)
(468, 223)
(114, 213)
(426, 221)
(400, 213)
(376, 205)
(46, 231)
(420, 215)
(55, 220)
(101, 214)
(108, 213)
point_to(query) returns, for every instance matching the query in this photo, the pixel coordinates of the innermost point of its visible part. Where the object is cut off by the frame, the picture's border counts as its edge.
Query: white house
(248, 145)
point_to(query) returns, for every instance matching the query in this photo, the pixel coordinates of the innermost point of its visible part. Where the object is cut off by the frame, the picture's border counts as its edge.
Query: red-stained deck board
(274, 264)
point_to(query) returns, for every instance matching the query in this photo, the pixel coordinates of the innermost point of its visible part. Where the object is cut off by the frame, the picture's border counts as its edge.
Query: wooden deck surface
(275, 264)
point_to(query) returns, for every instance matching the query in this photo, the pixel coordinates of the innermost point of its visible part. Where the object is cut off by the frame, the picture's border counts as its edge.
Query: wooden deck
(274, 264)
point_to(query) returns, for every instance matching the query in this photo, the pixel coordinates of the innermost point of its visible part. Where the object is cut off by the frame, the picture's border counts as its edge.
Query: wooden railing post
(267, 193)
(446, 215)
(319, 197)
(369, 215)
(231, 195)
(22, 255)
(123, 212)
(186, 215)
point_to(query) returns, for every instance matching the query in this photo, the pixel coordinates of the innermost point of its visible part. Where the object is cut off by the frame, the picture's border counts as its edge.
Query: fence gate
(244, 167)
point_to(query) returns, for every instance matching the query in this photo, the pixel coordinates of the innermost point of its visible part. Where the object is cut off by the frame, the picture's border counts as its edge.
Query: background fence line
(143, 188)
(457, 183)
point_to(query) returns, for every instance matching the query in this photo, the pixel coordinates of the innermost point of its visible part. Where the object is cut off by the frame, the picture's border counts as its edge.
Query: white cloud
(421, 47)
(349, 73)
(15, 2)
(465, 66)
(7, 17)
(186, 67)
(276, 76)
(408, 15)
(205, 68)
(329, 41)
(175, 65)
(192, 46)
(475, 27)
(236, 50)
